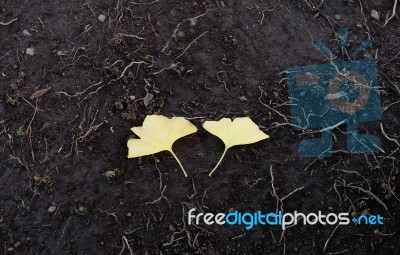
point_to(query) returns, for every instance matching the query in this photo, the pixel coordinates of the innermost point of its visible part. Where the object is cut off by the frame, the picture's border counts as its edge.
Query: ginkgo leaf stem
(177, 160)
(219, 162)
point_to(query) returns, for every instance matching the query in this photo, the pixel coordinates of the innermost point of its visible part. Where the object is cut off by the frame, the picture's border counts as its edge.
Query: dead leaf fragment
(240, 131)
(158, 133)
(39, 93)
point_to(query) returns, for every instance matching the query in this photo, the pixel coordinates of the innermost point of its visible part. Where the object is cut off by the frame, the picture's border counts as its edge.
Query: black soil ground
(202, 60)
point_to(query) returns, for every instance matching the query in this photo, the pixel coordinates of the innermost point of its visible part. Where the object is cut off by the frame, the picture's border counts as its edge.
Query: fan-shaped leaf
(158, 133)
(240, 131)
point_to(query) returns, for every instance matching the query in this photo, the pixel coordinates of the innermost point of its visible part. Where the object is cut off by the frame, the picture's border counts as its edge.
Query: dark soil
(229, 62)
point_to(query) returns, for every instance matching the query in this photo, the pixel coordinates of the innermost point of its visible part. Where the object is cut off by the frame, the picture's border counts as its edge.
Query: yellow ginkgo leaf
(240, 131)
(158, 133)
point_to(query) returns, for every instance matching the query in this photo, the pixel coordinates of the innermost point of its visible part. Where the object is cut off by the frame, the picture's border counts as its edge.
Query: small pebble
(338, 17)
(52, 209)
(26, 33)
(147, 99)
(119, 105)
(17, 244)
(243, 98)
(11, 249)
(30, 51)
(375, 14)
(101, 18)
(61, 53)
(129, 214)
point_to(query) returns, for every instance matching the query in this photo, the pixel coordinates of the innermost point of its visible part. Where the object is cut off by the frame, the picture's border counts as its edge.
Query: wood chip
(39, 93)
